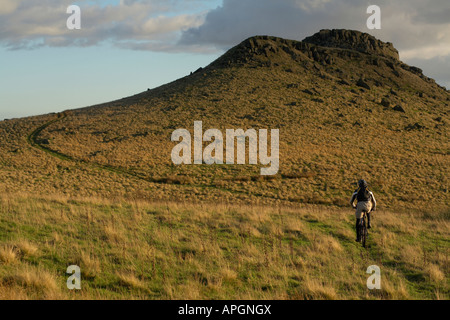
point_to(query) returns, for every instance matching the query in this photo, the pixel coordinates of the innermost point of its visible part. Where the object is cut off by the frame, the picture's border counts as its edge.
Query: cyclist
(365, 204)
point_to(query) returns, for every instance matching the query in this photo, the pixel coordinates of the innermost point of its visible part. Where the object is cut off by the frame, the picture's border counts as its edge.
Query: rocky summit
(353, 40)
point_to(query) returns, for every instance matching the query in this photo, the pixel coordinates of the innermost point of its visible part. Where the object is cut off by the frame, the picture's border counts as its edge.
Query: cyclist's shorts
(362, 206)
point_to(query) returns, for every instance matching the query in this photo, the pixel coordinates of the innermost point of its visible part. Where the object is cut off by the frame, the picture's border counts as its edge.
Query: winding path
(33, 140)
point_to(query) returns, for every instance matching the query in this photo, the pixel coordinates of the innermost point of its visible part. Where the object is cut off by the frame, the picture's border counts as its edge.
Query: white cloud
(419, 29)
(428, 52)
(409, 24)
(38, 23)
(8, 6)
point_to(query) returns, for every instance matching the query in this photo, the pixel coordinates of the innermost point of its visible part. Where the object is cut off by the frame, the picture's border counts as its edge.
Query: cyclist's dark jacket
(363, 195)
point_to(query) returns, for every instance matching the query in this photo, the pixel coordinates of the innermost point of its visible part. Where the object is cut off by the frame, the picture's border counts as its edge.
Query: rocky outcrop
(353, 40)
(321, 47)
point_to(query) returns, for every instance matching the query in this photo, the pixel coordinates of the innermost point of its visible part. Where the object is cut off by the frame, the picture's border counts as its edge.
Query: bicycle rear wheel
(363, 231)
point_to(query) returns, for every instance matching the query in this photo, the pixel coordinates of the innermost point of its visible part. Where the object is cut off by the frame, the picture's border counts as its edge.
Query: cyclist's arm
(374, 203)
(352, 200)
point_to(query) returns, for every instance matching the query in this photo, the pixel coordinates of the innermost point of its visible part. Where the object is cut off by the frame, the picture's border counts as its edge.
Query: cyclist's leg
(358, 215)
(367, 209)
(363, 230)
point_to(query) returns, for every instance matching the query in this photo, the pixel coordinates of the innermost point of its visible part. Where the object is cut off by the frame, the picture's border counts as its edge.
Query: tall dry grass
(146, 250)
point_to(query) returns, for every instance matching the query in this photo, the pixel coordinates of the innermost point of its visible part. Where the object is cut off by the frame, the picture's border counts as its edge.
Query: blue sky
(55, 79)
(127, 46)
(51, 78)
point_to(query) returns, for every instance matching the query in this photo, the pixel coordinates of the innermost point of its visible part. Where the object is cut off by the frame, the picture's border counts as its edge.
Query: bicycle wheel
(363, 232)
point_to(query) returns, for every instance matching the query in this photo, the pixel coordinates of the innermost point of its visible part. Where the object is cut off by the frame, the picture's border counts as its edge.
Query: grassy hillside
(96, 186)
(334, 129)
(145, 250)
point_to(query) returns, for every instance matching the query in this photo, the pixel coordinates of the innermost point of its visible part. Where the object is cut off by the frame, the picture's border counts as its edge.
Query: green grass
(144, 250)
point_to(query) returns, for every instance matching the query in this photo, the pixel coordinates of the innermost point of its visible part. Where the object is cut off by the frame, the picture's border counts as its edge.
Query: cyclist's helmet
(362, 183)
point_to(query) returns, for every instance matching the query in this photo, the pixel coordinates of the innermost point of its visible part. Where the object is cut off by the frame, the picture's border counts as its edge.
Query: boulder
(363, 84)
(399, 108)
(415, 126)
(385, 103)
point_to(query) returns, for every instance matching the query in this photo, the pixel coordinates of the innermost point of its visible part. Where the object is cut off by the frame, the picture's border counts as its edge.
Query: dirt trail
(33, 140)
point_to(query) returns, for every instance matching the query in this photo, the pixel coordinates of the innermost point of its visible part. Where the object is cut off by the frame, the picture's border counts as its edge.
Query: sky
(127, 46)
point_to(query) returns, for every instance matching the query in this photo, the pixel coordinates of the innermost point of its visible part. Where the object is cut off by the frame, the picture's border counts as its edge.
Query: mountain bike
(363, 230)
